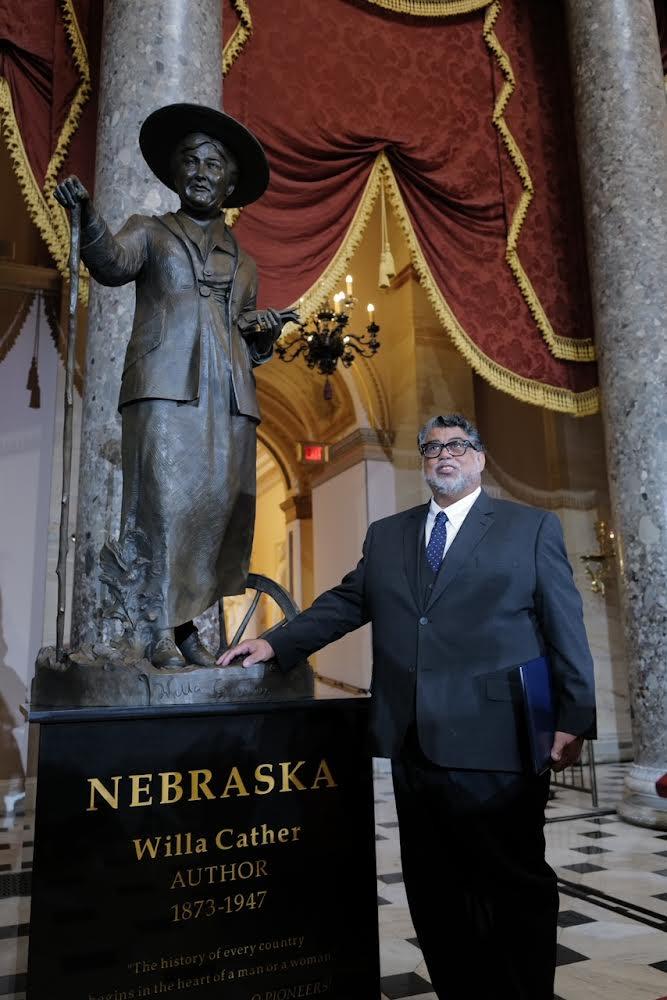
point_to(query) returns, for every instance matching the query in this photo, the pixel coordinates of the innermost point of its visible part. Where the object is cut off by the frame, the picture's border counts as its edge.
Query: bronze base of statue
(99, 676)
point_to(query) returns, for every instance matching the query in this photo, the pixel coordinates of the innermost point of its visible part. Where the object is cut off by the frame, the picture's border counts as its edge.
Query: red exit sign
(313, 452)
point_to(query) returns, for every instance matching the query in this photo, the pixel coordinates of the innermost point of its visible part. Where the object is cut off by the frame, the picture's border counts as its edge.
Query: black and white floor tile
(613, 901)
(612, 938)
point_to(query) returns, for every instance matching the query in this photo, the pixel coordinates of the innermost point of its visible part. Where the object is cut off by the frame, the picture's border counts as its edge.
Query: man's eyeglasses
(457, 447)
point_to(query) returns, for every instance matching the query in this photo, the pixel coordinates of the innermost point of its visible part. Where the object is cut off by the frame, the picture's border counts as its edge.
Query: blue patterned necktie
(437, 541)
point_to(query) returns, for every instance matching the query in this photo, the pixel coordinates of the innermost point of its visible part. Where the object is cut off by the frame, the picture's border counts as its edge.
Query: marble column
(154, 53)
(622, 136)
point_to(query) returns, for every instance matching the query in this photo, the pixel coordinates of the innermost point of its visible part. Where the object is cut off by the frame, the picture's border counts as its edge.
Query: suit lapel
(413, 537)
(471, 532)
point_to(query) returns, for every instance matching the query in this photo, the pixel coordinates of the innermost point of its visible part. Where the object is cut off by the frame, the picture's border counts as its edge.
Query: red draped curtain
(458, 111)
(465, 121)
(47, 105)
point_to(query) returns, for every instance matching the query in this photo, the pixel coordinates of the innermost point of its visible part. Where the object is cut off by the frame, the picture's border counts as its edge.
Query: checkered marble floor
(613, 901)
(612, 938)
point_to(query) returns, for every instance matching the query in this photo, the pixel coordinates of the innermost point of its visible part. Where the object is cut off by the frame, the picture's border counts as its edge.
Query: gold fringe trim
(579, 404)
(239, 36)
(567, 348)
(11, 334)
(318, 293)
(38, 210)
(78, 46)
(232, 215)
(431, 8)
(49, 217)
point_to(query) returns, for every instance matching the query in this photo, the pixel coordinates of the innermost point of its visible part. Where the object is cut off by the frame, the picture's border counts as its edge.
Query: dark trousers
(482, 898)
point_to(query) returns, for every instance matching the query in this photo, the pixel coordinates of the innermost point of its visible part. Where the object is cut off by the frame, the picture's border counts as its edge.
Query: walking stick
(63, 542)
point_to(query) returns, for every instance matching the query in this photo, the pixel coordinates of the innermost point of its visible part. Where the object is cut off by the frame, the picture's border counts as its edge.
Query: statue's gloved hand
(71, 192)
(267, 321)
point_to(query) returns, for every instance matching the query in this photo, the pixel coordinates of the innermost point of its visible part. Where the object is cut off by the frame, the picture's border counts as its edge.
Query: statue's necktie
(437, 541)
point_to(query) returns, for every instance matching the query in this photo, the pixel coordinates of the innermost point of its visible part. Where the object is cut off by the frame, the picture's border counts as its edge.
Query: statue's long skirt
(189, 484)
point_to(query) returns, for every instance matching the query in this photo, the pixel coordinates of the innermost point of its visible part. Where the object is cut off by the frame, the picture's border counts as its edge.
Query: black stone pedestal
(225, 852)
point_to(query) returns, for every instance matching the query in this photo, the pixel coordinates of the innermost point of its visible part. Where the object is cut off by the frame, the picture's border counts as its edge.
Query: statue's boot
(191, 646)
(164, 653)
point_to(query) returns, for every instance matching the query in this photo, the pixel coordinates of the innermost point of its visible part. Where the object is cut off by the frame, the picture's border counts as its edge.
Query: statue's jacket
(185, 277)
(188, 402)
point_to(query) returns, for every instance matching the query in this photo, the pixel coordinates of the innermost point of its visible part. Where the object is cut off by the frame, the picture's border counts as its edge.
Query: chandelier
(325, 339)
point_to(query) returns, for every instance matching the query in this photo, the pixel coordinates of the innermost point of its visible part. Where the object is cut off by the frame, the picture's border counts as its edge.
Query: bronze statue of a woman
(187, 396)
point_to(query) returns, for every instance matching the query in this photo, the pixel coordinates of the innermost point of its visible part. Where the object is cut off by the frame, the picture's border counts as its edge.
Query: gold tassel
(35, 394)
(32, 385)
(33, 377)
(387, 266)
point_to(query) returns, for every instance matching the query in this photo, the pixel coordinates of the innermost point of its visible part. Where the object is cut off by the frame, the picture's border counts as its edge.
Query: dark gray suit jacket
(504, 594)
(173, 300)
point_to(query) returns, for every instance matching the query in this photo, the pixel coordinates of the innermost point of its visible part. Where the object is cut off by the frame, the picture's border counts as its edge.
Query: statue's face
(204, 174)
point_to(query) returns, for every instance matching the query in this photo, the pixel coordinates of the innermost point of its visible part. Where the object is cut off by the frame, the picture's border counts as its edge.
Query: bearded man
(459, 592)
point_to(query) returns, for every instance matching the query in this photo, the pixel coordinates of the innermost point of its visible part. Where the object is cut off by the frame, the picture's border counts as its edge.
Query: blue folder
(540, 715)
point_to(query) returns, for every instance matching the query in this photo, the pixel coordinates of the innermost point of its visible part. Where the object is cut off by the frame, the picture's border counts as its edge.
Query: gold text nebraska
(169, 787)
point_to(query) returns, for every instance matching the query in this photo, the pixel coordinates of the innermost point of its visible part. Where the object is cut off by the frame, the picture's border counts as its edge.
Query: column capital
(298, 507)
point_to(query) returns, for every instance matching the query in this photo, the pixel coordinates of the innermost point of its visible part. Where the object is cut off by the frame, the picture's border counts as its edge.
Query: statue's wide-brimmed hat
(164, 129)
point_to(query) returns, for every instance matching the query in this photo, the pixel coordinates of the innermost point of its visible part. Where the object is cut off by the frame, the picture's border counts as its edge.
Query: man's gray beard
(446, 486)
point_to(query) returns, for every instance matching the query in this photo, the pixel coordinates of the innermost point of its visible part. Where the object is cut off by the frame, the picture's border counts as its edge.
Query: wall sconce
(598, 564)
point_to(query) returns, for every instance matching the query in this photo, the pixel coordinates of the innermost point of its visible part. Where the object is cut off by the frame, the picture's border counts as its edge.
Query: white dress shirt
(456, 515)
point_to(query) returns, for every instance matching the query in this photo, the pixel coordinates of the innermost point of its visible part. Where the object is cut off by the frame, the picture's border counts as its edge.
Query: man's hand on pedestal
(253, 651)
